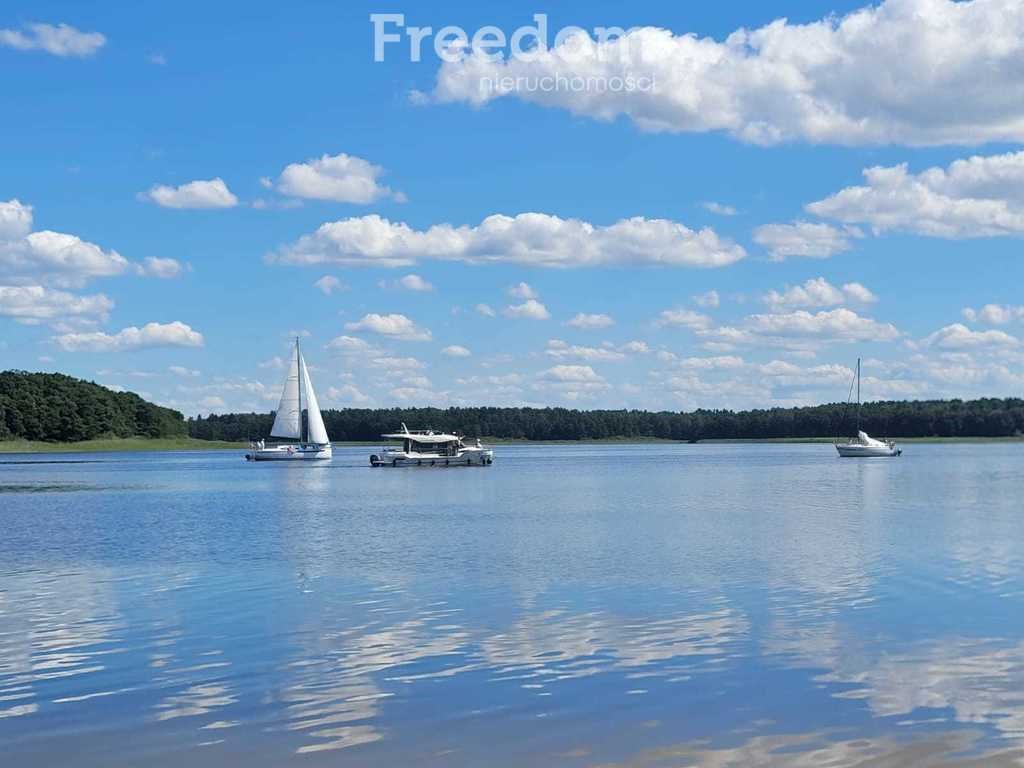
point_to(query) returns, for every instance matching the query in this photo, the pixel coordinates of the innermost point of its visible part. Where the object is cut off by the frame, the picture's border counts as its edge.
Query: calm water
(659, 605)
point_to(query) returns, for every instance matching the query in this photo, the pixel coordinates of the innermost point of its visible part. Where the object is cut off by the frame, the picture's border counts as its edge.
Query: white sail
(869, 441)
(288, 421)
(315, 422)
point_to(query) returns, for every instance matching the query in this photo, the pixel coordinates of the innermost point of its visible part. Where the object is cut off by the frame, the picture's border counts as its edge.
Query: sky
(720, 205)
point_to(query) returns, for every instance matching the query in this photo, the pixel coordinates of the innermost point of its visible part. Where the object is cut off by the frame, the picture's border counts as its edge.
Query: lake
(613, 605)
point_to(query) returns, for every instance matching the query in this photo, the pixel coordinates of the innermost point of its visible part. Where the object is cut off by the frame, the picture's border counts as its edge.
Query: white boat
(431, 449)
(297, 397)
(863, 446)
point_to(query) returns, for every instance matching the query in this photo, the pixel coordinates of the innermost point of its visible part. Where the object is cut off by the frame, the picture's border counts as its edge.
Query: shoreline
(143, 444)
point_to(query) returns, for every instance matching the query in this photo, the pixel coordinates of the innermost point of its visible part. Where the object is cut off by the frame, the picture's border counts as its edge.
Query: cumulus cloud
(562, 350)
(213, 193)
(347, 393)
(522, 291)
(27, 256)
(708, 300)
(394, 325)
(959, 336)
(175, 334)
(587, 322)
(719, 209)
(994, 314)
(819, 292)
(534, 239)
(683, 318)
(486, 310)
(329, 284)
(340, 178)
(183, 372)
(531, 309)
(153, 266)
(572, 374)
(976, 197)
(456, 351)
(786, 82)
(59, 40)
(413, 283)
(804, 238)
(839, 324)
(348, 345)
(35, 304)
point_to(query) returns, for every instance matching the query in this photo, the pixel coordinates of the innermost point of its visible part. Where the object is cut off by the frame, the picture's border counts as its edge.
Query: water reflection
(610, 607)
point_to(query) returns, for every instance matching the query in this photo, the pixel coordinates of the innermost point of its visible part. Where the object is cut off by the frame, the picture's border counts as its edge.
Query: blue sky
(712, 242)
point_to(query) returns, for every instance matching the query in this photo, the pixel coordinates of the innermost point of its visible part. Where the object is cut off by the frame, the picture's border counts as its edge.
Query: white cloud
(212, 401)
(328, 284)
(348, 345)
(561, 350)
(456, 351)
(635, 348)
(183, 372)
(154, 266)
(408, 283)
(803, 238)
(397, 364)
(994, 314)
(60, 40)
(959, 336)
(522, 291)
(49, 256)
(719, 209)
(587, 322)
(572, 374)
(276, 363)
(718, 363)
(531, 309)
(34, 304)
(786, 82)
(347, 393)
(683, 318)
(15, 220)
(213, 193)
(175, 334)
(819, 292)
(534, 239)
(839, 324)
(486, 310)
(340, 178)
(976, 197)
(708, 300)
(393, 325)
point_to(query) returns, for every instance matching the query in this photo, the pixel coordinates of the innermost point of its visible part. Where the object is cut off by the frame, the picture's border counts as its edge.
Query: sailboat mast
(858, 395)
(298, 366)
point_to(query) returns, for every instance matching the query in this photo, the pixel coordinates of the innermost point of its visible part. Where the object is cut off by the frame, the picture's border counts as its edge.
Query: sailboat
(863, 445)
(297, 396)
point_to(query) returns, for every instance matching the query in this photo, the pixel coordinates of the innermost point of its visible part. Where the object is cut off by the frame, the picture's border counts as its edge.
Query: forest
(988, 417)
(57, 408)
(52, 407)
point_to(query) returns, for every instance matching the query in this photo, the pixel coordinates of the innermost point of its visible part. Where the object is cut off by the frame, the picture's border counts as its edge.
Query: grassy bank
(117, 444)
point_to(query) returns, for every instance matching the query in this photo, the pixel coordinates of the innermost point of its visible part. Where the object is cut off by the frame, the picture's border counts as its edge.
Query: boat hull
(467, 458)
(855, 451)
(291, 453)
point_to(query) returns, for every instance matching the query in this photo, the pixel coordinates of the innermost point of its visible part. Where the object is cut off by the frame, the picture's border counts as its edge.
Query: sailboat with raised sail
(297, 399)
(864, 446)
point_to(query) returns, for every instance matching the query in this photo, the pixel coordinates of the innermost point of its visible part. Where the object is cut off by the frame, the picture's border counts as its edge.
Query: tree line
(53, 407)
(58, 408)
(989, 417)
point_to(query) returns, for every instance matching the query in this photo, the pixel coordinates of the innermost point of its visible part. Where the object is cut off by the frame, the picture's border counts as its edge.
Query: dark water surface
(640, 605)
